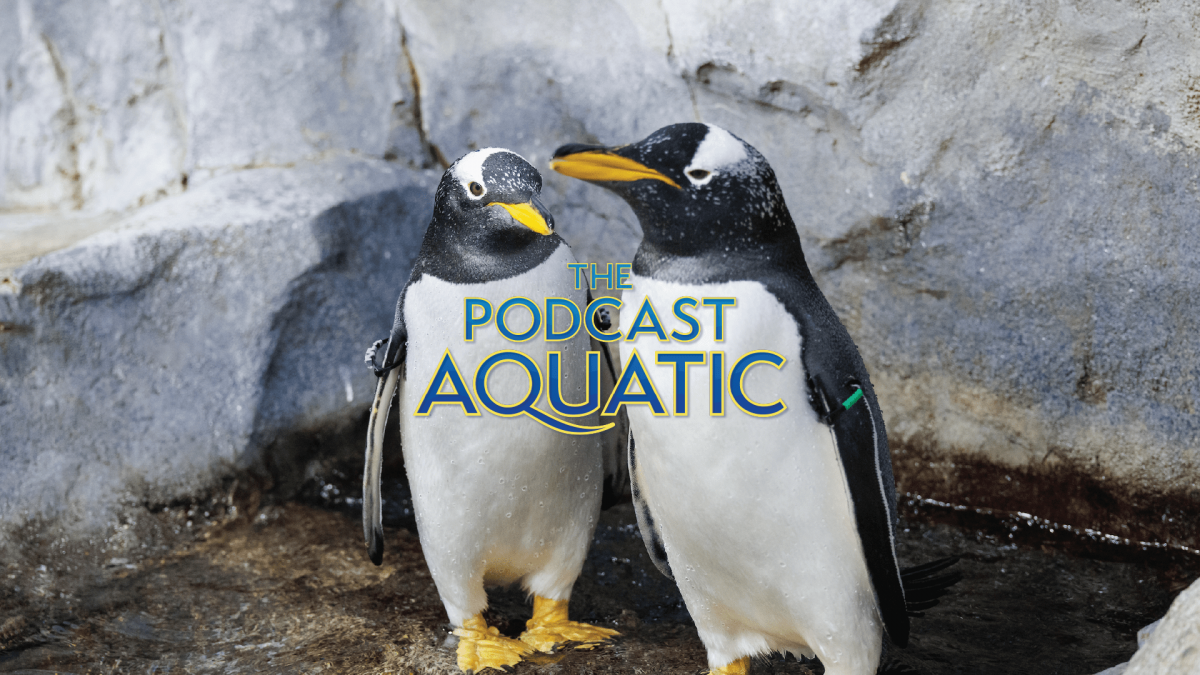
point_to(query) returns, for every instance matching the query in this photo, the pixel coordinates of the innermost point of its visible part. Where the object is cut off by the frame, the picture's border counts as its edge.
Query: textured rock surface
(292, 582)
(998, 197)
(1173, 647)
(112, 104)
(152, 359)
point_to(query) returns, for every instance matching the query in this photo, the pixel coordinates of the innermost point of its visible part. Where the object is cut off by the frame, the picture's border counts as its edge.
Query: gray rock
(1174, 646)
(1024, 295)
(112, 106)
(1144, 633)
(149, 360)
(999, 201)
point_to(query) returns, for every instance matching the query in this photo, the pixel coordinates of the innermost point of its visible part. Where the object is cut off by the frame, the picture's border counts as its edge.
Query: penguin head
(694, 187)
(493, 192)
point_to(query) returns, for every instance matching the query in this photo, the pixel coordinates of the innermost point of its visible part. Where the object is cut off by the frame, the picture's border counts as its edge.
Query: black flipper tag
(826, 402)
(369, 359)
(397, 352)
(601, 318)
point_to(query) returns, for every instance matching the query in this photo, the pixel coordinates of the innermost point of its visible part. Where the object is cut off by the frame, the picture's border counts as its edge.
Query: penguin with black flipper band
(778, 525)
(498, 500)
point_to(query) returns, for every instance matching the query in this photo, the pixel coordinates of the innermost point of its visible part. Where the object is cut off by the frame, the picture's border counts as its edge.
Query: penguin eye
(698, 174)
(475, 188)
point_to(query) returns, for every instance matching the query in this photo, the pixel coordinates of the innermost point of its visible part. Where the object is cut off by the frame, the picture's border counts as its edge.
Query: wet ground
(238, 584)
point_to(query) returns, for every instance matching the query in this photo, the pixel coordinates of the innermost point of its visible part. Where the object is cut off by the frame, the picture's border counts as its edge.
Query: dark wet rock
(288, 587)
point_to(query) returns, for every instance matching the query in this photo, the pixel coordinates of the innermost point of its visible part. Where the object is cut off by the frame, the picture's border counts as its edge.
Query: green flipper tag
(853, 399)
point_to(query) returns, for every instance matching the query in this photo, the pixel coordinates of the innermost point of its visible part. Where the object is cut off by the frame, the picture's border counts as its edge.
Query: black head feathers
(694, 187)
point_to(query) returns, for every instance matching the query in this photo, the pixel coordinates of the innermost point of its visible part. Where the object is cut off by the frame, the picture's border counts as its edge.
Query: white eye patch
(719, 150)
(469, 169)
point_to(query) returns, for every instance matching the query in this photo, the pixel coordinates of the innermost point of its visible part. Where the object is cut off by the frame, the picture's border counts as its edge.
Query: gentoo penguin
(497, 499)
(777, 520)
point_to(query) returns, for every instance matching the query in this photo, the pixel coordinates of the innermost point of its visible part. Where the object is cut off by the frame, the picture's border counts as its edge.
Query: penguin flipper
(389, 376)
(373, 465)
(651, 535)
(861, 443)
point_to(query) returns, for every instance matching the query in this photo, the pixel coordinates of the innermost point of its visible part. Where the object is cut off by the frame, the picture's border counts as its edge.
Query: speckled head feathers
(694, 187)
(493, 177)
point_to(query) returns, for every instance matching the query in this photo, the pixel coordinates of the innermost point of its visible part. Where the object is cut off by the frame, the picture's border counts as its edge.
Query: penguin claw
(481, 647)
(550, 628)
(547, 638)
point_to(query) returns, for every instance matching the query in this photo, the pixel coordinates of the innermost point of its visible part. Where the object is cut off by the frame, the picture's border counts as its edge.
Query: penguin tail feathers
(925, 584)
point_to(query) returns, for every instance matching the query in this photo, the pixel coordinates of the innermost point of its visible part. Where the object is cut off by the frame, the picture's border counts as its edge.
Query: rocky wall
(997, 197)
